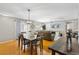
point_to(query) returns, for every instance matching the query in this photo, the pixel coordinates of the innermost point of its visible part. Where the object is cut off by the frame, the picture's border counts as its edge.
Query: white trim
(1, 42)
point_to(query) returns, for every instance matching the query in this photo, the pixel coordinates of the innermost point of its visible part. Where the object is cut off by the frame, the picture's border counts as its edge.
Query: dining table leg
(24, 46)
(53, 52)
(41, 46)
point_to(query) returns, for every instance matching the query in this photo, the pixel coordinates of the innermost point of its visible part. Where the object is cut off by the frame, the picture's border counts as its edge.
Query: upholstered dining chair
(22, 42)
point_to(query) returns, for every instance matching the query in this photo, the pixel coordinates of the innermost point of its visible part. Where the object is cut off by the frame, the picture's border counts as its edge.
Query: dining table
(60, 47)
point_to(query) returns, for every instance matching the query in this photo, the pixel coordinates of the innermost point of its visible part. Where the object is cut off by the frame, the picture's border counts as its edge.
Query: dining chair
(22, 42)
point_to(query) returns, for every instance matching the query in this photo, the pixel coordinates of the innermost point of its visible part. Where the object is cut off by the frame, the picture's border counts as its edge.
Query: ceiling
(42, 12)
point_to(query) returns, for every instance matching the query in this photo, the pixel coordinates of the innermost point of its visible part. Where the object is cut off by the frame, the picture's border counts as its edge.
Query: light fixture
(29, 21)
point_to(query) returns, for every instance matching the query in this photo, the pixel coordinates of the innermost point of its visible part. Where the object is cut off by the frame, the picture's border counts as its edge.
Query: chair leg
(18, 42)
(36, 49)
(31, 48)
(24, 49)
(21, 44)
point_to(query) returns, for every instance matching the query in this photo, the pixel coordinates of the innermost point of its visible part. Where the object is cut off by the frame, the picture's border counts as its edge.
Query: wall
(78, 30)
(7, 28)
(73, 25)
(78, 24)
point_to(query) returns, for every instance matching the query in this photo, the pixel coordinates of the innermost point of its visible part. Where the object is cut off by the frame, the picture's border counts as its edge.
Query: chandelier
(28, 20)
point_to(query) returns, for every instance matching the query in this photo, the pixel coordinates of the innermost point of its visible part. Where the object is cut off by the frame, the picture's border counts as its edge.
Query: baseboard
(5, 41)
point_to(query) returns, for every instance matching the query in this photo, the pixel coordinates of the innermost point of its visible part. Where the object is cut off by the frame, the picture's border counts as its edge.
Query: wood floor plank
(11, 48)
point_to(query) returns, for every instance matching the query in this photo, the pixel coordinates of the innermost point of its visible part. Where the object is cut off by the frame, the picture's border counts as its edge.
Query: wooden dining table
(59, 47)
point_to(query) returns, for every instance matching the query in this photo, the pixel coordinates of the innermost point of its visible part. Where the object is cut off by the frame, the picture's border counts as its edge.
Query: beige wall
(7, 28)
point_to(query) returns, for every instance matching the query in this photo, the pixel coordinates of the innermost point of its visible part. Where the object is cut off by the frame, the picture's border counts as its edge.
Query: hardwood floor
(11, 48)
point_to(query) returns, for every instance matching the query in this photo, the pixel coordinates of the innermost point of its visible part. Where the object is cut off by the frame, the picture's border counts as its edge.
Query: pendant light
(29, 21)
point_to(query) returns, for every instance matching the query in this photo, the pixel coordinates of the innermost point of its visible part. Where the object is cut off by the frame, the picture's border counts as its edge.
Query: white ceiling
(41, 11)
